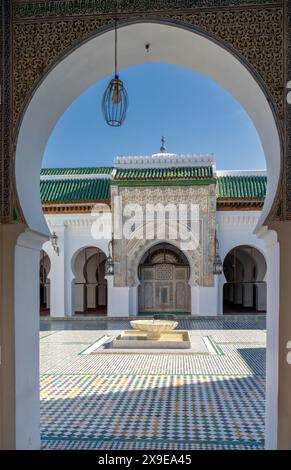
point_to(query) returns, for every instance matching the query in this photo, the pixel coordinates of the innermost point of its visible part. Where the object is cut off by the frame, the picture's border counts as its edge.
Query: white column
(248, 296)
(194, 300)
(102, 299)
(238, 294)
(91, 295)
(261, 294)
(79, 297)
(220, 283)
(48, 295)
(231, 293)
(57, 276)
(118, 299)
(272, 352)
(204, 300)
(208, 300)
(133, 301)
(69, 289)
(27, 256)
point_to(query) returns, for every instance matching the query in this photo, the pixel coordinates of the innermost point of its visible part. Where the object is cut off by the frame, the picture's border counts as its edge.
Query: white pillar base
(27, 412)
(272, 350)
(204, 301)
(133, 301)
(118, 303)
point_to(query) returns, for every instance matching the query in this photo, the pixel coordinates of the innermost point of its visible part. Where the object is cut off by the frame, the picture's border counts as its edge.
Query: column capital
(270, 237)
(32, 240)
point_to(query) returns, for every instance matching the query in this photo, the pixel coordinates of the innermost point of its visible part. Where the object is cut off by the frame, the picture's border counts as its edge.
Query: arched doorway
(90, 285)
(44, 284)
(164, 273)
(245, 272)
(73, 73)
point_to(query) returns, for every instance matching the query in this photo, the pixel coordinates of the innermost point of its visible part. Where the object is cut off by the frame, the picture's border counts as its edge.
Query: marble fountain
(153, 334)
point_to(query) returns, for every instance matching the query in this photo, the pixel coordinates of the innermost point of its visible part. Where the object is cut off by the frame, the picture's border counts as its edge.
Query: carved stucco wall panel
(127, 253)
(257, 35)
(43, 31)
(37, 46)
(48, 8)
(6, 205)
(287, 168)
(137, 247)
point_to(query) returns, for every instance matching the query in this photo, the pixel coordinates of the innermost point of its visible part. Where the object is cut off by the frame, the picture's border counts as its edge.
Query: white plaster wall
(133, 301)
(75, 234)
(208, 301)
(57, 271)
(45, 262)
(74, 231)
(204, 300)
(47, 247)
(235, 228)
(118, 299)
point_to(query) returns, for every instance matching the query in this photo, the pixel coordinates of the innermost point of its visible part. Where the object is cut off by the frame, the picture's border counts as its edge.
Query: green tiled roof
(98, 189)
(105, 170)
(238, 187)
(154, 174)
(72, 190)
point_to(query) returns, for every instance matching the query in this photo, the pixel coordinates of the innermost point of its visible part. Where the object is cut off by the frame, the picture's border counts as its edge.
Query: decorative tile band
(97, 7)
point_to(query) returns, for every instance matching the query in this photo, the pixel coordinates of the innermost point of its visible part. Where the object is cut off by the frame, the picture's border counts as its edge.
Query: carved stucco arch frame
(139, 251)
(136, 249)
(40, 225)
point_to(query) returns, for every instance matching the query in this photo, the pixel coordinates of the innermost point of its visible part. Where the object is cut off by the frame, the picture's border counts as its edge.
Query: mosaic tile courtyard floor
(151, 401)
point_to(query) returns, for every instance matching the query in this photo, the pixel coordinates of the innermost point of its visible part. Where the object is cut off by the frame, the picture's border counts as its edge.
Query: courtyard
(177, 401)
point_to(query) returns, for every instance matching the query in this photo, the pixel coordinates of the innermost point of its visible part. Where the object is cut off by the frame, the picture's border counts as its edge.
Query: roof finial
(163, 148)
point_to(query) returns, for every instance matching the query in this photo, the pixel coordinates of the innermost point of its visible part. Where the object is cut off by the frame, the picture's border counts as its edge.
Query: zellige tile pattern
(147, 401)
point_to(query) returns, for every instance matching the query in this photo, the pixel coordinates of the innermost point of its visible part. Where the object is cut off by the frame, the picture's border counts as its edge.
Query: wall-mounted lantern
(217, 263)
(109, 265)
(54, 242)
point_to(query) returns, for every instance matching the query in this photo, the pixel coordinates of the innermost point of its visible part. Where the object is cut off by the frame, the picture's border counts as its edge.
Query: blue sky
(194, 113)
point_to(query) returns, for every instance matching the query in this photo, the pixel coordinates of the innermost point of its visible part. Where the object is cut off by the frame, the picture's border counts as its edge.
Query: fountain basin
(154, 328)
(139, 340)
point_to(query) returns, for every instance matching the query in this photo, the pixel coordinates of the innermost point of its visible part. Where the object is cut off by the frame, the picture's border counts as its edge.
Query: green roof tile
(146, 174)
(237, 187)
(70, 190)
(82, 189)
(105, 170)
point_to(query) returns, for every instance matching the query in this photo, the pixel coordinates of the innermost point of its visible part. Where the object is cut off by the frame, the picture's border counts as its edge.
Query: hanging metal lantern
(109, 265)
(115, 101)
(54, 243)
(217, 263)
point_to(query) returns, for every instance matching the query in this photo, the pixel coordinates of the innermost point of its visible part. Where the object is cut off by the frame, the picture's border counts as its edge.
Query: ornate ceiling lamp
(115, 99)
